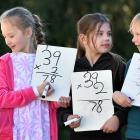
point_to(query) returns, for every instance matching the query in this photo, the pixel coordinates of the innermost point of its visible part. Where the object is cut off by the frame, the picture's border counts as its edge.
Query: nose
(106, 37)
(133, 39)
(7, 41)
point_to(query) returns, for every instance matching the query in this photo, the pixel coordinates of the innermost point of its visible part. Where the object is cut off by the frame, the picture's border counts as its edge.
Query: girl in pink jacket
(22, 117)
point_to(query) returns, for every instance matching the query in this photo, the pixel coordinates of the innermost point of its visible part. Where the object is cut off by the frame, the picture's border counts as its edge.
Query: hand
(74, 124)
(111, 125)
(41, 88)
(64, 101)
(121, 99)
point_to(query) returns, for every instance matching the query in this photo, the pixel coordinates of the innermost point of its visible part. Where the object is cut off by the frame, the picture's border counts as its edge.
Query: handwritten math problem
(54, 64)
(92, 98)
(97, 104)
(48, 57)
(131, 85)
(91, 80)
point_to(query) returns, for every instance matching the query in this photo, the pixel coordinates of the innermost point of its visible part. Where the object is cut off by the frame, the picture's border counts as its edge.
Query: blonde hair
(134, 20)
(23, 18)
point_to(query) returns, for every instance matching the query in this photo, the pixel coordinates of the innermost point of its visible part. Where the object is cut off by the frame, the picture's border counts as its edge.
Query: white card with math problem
(54, 64)
(131, 85)
(92, 98)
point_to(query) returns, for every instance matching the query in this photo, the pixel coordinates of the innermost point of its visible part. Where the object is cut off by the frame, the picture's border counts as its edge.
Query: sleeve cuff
(36, 91)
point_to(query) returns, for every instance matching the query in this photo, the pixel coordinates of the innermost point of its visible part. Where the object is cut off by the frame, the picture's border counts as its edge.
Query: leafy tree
(61, 16)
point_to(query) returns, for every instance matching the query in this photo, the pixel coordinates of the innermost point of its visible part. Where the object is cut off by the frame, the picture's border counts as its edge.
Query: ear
(83, 39)
(29, 32)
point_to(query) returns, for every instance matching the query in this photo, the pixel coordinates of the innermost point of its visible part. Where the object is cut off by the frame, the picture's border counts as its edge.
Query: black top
(108, 61)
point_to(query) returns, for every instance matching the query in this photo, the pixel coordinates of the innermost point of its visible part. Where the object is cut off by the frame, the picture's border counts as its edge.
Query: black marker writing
(91, 79)
(37, 66)
(57, 54)
(48, 55)
(79, 86)
(52, 75)
(97, 104)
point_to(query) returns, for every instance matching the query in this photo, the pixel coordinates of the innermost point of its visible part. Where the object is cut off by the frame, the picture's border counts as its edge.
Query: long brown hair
(87, 24)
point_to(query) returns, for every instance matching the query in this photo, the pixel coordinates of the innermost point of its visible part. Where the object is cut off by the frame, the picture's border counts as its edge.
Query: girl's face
(100, 41)
(15, 38)
(135, 30)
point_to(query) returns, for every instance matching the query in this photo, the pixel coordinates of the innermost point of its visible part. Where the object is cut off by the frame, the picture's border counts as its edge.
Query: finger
(62, 105)
(64, 101)
(74, 124)
(127, 104)
(107, 130)
(102, 127)
(73, 116)
(51, 89)
(45, 83)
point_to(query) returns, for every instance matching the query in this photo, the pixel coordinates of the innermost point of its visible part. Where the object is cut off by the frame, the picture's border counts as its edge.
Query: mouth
(12, 47)
(137, 44)
(106, 45)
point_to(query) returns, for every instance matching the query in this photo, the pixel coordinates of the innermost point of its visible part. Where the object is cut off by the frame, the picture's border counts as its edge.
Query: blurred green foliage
(61, 16)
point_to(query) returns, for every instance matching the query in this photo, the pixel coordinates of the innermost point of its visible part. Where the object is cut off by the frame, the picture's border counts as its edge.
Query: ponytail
(39, 34)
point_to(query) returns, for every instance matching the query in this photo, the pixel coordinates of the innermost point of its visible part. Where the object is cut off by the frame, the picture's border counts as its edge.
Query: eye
(137, 34)
(99, 33)
(109, 33)
(11, 36)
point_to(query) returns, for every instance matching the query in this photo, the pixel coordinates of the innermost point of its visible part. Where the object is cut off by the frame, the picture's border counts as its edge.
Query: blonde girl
(133, 126)
(22, 117)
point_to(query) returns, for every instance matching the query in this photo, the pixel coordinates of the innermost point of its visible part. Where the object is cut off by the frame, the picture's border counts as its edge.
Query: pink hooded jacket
(9, 99)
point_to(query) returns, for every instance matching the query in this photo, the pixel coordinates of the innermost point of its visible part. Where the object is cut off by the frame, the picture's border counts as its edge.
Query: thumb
(45, 83)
